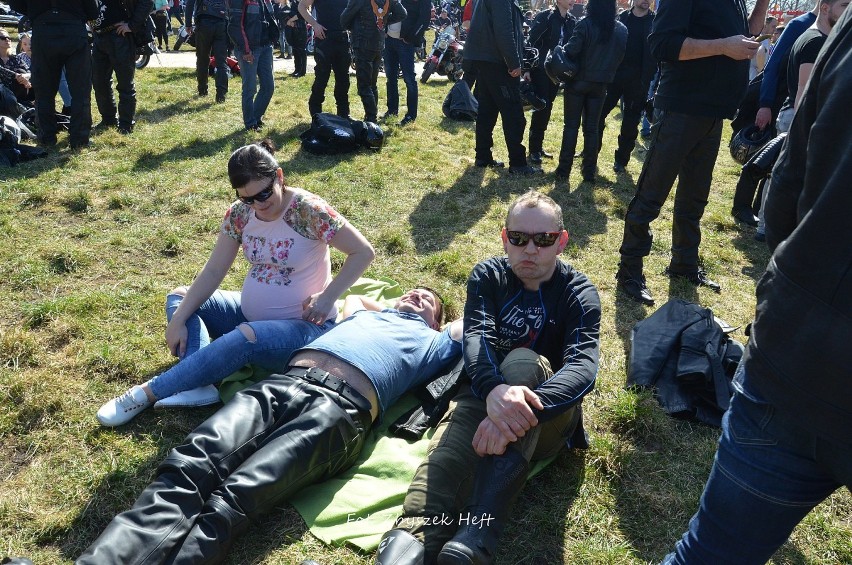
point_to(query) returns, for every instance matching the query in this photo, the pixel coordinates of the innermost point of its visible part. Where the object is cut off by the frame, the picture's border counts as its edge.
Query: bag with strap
(460, 103)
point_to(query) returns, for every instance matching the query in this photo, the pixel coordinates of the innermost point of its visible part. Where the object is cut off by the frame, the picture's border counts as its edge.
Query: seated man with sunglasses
(531, 347)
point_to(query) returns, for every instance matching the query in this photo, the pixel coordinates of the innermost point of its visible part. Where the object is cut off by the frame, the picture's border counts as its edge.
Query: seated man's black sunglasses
(540, 239)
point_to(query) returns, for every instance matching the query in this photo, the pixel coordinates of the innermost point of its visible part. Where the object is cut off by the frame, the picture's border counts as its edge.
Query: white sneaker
(121, 410)
(201, 396)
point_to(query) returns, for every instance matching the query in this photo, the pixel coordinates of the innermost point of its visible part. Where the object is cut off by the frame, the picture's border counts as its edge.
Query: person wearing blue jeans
(252, 27)
(287, 299)
(785, 444)
(400, 43)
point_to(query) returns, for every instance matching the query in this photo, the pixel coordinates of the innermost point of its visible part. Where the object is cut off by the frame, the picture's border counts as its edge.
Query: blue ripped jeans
(216, 347)
(770, 471)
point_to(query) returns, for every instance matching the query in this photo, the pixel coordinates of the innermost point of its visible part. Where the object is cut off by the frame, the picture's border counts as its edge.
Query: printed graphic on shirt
(520, 323)
(269, 259)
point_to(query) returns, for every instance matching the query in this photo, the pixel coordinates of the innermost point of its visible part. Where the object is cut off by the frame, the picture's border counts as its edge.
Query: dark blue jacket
(251, 24)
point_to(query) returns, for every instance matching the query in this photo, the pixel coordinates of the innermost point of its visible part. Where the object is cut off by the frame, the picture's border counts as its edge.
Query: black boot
(499, 479)
(398, 547)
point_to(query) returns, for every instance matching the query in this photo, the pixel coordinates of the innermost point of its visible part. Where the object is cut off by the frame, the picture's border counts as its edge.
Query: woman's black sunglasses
(541, 239)
(261, 196)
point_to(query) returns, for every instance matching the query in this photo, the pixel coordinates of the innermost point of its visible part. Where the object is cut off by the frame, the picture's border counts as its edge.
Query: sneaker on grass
(121, 410)
(201, 396)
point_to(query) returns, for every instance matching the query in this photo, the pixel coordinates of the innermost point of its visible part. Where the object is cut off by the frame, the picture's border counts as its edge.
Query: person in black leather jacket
(548, 30)
(494, 50)
(597, 45)
(208, 19)
(632, 79)
(367, 19)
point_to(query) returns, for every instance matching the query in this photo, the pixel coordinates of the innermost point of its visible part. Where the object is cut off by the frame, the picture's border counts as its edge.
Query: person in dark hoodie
(785, 443)
(402, 39)
(367, 20)
(597, 45)
(548, 29)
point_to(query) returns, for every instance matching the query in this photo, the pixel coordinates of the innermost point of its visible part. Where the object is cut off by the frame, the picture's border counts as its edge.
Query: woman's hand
(176, 336)
(315, 308)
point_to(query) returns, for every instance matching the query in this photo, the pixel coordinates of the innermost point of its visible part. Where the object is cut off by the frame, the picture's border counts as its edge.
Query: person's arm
(347, 17)
(737, 47)
(211, 276)
(580, 354)
(305, 10)
(397, 12)
(804, 74)
(189, 14)
(757, 18)
(357, 302)
(140, 14)
(237, 29)
(503, 26)
(359, 255)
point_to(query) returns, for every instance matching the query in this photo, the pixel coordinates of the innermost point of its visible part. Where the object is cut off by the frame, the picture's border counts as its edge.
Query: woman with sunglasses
(287, 298)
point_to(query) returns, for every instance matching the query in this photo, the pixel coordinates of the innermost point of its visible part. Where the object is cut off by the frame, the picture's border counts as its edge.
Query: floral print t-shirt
(289, 257)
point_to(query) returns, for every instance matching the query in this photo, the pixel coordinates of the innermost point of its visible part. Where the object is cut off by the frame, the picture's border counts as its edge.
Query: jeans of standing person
(64, 91)
(331, 54)
(400, 55)
(218, 320)
(113, 53)
(259, 71)
(632, 94)
(62, 43)
(499, 94)
(683, 147)
(770, 470)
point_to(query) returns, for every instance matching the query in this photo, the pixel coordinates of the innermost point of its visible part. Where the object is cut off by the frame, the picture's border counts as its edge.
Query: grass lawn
(95, 239)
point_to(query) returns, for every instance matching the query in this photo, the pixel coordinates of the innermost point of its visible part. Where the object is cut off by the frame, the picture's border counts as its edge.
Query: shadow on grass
(756, 251)
(441, 215)
(580, 213)
(195, 148)
(118, 490)
(536, 531)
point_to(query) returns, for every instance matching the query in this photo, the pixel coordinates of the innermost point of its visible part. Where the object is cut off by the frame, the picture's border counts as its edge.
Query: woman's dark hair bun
(268, 144)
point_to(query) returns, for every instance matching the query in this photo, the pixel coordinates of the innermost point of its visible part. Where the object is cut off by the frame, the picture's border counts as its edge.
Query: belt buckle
(311, 377)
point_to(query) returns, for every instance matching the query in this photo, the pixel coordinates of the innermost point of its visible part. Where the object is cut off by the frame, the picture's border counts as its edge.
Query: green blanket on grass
(356, 507)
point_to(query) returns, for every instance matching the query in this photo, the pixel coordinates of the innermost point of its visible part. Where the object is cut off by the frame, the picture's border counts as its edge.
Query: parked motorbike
(446, 56)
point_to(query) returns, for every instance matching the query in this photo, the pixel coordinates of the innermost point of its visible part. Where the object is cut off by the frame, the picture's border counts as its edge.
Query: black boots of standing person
(398, 547)
(499, 479)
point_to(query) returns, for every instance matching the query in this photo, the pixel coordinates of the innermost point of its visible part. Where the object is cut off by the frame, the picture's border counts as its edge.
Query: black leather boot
(398, 547)
(499, 479)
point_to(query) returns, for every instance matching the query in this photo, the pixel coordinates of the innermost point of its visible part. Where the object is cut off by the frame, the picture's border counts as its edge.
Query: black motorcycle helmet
(559, 67)
(530, 99)
(368, 134)
(749, 141)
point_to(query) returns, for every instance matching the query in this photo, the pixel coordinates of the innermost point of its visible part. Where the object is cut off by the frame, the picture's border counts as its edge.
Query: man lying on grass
(282, 434)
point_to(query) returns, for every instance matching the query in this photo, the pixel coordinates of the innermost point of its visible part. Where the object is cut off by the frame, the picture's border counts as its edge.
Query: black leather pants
(270, 441)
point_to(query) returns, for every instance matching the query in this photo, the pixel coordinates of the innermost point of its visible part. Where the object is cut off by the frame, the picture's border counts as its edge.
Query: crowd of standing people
(529, 337)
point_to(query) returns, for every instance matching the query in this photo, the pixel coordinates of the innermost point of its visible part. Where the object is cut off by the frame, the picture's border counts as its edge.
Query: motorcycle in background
(446, 56)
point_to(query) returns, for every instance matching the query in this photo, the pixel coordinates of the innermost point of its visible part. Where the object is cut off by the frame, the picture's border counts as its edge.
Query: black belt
(324, 379)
